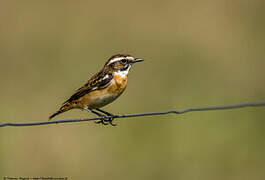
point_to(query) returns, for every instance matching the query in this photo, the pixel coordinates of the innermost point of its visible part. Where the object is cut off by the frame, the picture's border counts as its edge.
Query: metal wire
(248, 104)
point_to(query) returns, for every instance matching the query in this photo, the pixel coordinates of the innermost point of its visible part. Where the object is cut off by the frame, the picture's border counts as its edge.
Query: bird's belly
(101, 100)
(102, 97)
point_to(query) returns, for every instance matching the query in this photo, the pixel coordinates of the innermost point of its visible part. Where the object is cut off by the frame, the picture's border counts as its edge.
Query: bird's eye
(124, 61)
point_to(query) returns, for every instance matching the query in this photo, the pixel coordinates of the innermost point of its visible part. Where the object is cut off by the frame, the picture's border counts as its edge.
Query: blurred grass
(197, 53)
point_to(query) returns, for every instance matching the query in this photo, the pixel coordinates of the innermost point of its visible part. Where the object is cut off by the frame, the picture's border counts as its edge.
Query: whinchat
(102, 88)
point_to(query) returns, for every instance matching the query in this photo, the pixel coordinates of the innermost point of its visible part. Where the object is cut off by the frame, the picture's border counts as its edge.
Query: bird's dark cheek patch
(125, 67)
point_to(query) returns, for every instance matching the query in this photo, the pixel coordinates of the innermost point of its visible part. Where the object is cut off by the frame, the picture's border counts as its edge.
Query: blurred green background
(197, 53)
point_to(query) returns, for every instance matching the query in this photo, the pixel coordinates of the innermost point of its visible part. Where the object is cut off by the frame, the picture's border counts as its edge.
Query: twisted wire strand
(209, 108)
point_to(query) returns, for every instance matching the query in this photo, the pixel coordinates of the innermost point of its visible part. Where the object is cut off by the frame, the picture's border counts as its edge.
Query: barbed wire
(234, 106)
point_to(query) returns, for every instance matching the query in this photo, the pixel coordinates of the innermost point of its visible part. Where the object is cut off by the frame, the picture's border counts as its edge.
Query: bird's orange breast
(120, 83)
(102, 97)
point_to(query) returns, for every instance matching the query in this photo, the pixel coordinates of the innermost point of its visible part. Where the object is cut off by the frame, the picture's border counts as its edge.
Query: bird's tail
(64, 108)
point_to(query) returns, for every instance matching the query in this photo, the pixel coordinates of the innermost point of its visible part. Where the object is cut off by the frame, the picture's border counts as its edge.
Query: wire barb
(249, 104)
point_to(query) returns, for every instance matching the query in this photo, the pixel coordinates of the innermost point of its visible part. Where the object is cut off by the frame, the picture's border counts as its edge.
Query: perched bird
(102, 88)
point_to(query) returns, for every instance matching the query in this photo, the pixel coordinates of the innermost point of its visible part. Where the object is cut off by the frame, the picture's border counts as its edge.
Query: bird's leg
(110, 119)
(102, 117)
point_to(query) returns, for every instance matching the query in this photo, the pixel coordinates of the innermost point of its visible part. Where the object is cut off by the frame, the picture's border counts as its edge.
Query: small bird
(102, 88)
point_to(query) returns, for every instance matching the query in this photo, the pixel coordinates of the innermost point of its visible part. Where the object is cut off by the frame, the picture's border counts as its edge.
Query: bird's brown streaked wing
(99, 81)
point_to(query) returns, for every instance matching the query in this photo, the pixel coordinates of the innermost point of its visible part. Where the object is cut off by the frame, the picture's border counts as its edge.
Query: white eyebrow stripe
(116, 59)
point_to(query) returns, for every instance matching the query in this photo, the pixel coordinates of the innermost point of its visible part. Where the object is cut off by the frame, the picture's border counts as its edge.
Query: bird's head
(121, 63)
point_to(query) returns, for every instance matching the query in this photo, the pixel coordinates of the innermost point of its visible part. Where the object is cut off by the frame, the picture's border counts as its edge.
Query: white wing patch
(106, 77)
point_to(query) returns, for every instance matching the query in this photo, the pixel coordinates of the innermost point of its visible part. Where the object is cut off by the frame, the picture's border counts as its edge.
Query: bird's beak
(137, 60)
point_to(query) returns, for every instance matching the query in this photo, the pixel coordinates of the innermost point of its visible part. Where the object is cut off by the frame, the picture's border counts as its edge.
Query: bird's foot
(110, 120)
(103, 120)
(106, 121)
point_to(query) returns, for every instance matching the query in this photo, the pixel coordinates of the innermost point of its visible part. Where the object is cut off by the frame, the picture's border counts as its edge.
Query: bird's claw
(106, 120)
(111, 122)
(101, 122)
